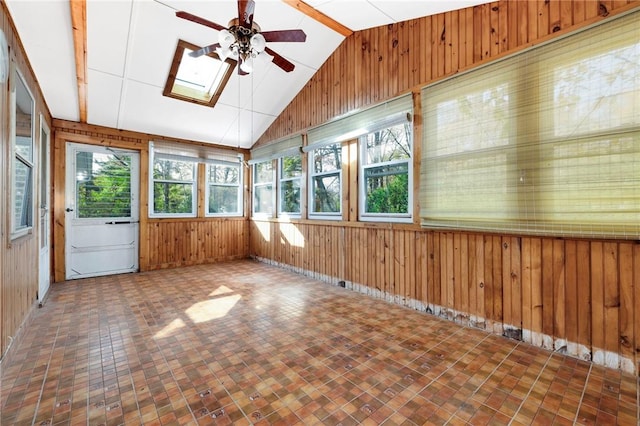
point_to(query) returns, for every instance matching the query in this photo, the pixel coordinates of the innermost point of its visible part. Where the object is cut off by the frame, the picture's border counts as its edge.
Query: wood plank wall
(581, 297)
(164, 243)
(18, 276)
(383, 62)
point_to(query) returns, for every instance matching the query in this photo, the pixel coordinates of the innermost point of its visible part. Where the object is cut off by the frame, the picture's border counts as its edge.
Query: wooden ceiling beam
(79, 26)
(320, 17)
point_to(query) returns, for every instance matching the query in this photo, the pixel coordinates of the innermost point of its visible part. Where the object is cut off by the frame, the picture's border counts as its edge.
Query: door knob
(69, 209)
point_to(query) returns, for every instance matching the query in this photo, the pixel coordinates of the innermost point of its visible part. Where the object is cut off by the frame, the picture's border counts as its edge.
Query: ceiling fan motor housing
(244, 36)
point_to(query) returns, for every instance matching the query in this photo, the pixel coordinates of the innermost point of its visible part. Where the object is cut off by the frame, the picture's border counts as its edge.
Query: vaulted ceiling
(130, 46)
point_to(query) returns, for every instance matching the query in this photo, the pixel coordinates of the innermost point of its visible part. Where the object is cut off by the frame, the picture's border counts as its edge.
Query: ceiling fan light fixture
(258, 43)
(223, 53)
(235, 53)
(243, 41)
(247, 65)
(226, 38)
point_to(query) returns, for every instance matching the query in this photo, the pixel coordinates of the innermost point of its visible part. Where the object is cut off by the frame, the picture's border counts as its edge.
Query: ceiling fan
(243, 40)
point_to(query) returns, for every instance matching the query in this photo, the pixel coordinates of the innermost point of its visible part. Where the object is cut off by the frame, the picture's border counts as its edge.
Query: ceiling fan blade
(205, 50)
(285, 35)
(199, 20)
(280, 61)
(245, 12)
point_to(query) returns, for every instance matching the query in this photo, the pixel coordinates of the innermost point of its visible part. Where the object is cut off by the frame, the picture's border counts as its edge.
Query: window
(289, 162)
(174, 177)
(385, 134)
(263, 195)
(546, 142)
(470, 150)
(224, 189)
(174, 188)
(103, 183)
(22, 109)
(290, 176)
(199, 80)
(326, 181)
(386, 178)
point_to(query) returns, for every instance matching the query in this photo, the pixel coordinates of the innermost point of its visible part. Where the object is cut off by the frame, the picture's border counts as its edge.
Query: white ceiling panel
(325, 42)
(247, 128)
(355, 14)
(270, 96)
(151, 47)
(45, 31)
(104, 90)
(107, 54)
(241, 89)
(167, 116)
(218, 11)
(131, 44)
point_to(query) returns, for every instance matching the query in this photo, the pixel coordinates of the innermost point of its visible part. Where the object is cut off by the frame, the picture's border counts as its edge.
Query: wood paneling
(180, 243)
(575, 296)
(373, 65)
(18, 257)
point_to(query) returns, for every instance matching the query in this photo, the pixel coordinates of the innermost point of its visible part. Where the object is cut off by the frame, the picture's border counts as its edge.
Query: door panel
(102, 211)
(44, 266)
(102, 249)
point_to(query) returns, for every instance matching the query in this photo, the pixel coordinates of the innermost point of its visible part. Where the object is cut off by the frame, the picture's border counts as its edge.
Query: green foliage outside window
(386, 170)
(390, 198)
(291, 173)
(224, 184)
(103, 185)
(173, 186)
(326, 182)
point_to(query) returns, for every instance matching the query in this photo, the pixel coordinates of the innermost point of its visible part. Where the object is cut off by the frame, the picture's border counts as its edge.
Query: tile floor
(247, 343)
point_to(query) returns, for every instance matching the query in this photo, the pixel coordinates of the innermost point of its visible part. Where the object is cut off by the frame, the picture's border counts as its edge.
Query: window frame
(239, 185)
(153, 180)
(280, 192)
(175, 67)
(311, 213)
(362, 185)
(16, 231)
(255, 184)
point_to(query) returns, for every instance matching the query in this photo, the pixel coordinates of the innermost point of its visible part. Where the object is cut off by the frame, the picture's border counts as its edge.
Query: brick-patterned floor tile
(244, 343)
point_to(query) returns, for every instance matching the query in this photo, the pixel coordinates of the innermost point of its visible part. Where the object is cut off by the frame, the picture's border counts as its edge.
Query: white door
(44, 194)
(101, 226)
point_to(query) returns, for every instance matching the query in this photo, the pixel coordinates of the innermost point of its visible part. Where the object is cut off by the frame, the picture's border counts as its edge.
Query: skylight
(200, 80)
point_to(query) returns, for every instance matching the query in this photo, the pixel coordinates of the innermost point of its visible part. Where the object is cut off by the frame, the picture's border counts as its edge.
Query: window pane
(474, 118)
(387, 189)
(290, 196)
(594, 93)
(24, 147)
(327, 158)
(224, 174)
(326, 192)
(103, 185)
(173, 170)
(388, 144)
(581, 171)
(223, 199)
(262, 199)
(291, 166)
(23, 121)
(263, 172)
(172, 197)
(22, 209)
